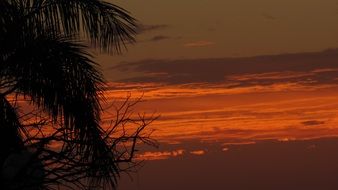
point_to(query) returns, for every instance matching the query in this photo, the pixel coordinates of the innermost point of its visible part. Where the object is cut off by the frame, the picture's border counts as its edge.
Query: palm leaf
(59, 77)
(106, 25)
(56, 73)
(10, 125)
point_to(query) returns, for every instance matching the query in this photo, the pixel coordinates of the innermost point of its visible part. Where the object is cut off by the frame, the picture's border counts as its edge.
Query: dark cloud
(268, 16)
(146, 28)
(313, 122)
(159, 38)
(315, 67)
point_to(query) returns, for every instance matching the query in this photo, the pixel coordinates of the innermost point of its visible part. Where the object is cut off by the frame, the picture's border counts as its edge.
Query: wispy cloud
(197, 152)
(268, 16)
(166, 91)
(307, 68)
(201, 43)
(215, 112)
(158, 155)
(151, 27)
(159, 38)
(313, 122)
(263, 97)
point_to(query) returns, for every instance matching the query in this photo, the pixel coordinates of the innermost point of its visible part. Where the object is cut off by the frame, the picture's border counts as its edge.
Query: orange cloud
(160, 155)
(197, 152)
(215, 112)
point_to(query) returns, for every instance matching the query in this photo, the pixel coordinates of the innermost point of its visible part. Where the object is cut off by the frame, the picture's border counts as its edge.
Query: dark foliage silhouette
(44, 63)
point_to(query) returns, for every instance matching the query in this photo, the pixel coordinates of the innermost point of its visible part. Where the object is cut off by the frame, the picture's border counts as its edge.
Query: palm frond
(59, 76)
(106, 25)
(9, 18)
(10, 125)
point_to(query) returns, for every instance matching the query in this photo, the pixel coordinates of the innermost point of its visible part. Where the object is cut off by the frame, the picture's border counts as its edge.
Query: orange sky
(286, 96)
(223, 73)
(211, 67)
(239, 85)
(279, 111)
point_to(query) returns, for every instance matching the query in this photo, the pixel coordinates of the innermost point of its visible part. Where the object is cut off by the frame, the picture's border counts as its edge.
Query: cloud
(159, 38)
(313, 122)
(268, 16)
(201, 43)
(150, 27)
(198, 152)
(160, 155)
(305, 68)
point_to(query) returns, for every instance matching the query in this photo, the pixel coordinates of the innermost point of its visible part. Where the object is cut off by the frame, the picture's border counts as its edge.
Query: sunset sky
(233, 28)
(229, 76)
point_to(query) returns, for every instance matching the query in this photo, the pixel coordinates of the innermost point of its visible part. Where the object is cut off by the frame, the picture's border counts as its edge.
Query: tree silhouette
(42, 61)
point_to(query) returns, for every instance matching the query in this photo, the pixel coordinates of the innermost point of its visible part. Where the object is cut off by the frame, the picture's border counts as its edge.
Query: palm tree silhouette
(42, 60)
